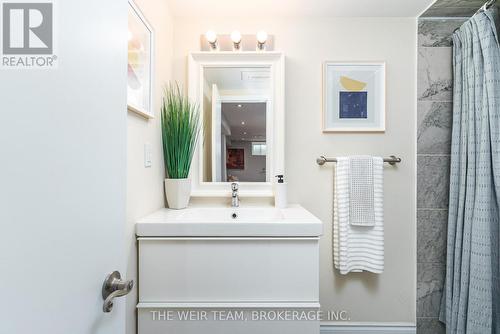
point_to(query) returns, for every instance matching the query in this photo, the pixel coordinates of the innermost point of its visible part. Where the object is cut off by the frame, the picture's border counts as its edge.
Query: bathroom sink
(222, 221)
(214, 215)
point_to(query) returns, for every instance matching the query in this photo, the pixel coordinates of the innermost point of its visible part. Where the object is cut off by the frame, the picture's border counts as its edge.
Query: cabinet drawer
(228, 269)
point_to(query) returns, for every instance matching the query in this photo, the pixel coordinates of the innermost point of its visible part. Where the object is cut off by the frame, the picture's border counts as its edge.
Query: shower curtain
(471, 300)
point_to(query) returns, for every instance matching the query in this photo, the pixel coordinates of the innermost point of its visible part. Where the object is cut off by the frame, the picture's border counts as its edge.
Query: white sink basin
(216, 215)
(244, 222)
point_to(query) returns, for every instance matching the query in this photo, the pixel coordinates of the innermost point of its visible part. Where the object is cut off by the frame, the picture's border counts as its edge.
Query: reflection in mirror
(235, 112)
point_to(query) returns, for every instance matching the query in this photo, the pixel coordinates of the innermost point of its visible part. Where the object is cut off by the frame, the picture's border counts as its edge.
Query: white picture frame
(353, 97)
(140, 65)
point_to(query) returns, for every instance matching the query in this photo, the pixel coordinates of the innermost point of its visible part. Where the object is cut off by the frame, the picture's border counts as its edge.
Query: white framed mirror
(242, 104)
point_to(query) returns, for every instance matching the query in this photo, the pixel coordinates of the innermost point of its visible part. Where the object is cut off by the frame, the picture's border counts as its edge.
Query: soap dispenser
(280, 200)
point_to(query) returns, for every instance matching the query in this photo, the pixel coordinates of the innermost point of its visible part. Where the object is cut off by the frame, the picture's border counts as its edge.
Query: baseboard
(367, 329)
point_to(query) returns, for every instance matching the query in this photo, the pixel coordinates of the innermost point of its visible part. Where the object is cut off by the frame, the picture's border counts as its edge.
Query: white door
(62, 177)
(216, 135)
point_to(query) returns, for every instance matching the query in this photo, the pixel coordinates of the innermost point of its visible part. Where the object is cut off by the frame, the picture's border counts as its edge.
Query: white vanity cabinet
(259, 276)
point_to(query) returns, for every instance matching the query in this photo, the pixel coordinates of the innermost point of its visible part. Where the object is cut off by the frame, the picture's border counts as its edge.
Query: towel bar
(392, 160)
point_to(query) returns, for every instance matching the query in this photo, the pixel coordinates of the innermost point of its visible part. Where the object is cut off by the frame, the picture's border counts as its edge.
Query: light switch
(148, 155)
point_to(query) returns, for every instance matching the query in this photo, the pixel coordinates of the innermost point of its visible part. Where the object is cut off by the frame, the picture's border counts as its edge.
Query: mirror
(242, 102)
(236, 110)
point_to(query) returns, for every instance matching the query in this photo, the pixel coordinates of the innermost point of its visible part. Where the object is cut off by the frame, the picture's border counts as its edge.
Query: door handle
(114, 287)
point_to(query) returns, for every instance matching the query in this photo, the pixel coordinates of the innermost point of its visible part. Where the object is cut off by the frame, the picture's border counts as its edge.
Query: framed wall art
(235, 158)
(353, 97)
(140, 63)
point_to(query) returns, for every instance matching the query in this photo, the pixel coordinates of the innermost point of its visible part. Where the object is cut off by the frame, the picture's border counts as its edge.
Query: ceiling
(454, 8)
(296, 8)
(254, 117)
(239, 78)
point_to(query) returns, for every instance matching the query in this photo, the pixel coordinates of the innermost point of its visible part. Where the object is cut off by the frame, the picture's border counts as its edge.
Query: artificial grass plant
(180, 131)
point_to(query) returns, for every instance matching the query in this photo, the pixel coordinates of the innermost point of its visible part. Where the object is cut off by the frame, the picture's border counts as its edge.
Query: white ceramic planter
(178, 192)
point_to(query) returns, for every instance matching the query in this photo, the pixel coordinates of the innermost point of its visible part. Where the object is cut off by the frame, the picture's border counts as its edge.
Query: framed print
(353, 97)
(140, 63)
(235, 158)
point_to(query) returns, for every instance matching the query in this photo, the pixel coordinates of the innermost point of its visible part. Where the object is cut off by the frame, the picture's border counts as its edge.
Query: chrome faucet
(235, 199)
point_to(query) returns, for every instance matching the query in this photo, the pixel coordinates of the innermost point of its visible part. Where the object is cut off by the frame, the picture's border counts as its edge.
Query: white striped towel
(357, 248)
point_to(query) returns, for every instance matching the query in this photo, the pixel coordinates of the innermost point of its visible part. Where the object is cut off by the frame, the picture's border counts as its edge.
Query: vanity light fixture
(211, 37)
(261, 40)
(236, 38)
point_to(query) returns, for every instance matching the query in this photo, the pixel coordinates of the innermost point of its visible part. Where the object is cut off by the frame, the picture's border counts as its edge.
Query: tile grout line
(444, 18)
(430, 262)
(435, 47)
(434, 101)
(433, 154)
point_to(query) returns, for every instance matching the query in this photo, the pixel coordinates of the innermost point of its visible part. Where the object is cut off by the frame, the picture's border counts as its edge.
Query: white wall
(389, 297)
(145, 185)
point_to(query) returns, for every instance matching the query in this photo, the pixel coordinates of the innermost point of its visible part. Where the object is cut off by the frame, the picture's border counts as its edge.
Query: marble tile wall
(454, 8)
(435, 88)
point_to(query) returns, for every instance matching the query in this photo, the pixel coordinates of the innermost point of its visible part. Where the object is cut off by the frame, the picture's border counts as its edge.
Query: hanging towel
(357, 248)
(339, 190)
(361, 203)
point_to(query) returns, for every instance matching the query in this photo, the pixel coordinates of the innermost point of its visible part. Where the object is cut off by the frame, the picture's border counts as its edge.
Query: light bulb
(236, 36)
(211, 36)
(262, 37)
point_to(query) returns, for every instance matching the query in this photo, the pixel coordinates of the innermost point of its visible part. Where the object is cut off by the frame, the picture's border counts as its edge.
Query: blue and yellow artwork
(353, 101)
